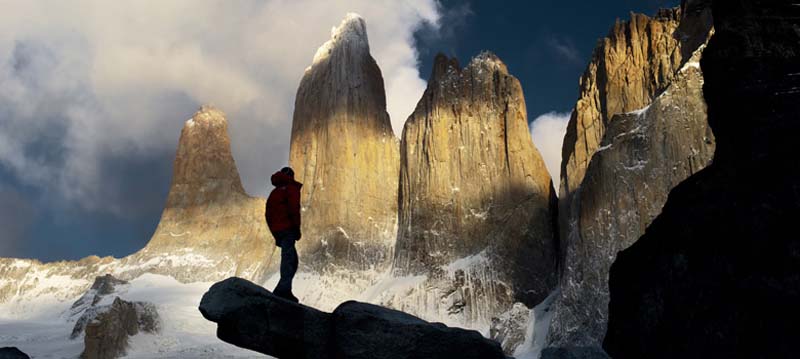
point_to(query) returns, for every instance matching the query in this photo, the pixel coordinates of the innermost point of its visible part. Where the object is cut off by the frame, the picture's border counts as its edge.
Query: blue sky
(87, 142)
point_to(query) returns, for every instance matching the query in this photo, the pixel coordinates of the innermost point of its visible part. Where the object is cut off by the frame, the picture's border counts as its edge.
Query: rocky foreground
(251, 317)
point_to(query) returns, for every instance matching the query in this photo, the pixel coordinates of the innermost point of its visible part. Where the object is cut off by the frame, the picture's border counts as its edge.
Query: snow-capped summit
(350, 35)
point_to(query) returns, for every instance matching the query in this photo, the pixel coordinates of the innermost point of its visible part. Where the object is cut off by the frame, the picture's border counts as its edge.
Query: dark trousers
(289, 261)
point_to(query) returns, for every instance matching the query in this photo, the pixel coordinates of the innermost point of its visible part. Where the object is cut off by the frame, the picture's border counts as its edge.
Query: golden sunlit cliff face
(344, 152)
(469, 170)
(208, 212)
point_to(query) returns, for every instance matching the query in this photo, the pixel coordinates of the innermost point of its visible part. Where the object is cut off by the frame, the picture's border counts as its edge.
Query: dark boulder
(366, 331)
(591, 352)
(12, 353)
(251, 317)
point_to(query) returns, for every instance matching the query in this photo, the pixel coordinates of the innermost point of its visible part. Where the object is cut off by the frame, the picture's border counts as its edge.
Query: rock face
(629, 68)
(715, 275)
(344, 152)
(477, 207)
(251, 317)
(641, 156)
(209, 221)
(12, 353)
(86, 307)
(109, 327)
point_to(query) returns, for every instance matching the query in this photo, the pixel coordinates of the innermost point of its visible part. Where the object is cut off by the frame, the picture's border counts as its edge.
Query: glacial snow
(45, 332)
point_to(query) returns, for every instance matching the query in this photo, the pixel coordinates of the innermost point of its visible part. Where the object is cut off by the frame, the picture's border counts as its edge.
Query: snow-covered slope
(44, 332)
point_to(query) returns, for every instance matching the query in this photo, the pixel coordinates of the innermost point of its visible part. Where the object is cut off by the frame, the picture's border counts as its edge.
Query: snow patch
(184, 332)
(640, 111)
(538, 327)
(351, 30)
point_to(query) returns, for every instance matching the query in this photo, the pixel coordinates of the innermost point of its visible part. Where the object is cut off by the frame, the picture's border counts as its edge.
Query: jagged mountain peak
(489, 61)
(350, 35)
(482, 65)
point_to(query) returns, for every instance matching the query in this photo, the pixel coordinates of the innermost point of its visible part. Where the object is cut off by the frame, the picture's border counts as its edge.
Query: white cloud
(91, 81)
(548, 135)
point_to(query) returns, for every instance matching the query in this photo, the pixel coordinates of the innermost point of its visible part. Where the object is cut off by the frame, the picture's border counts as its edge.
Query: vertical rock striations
(210, 228)
(344, 152)
(716, 273)
(629, 68)
(643, 155)
(476, 201)
(626, 159)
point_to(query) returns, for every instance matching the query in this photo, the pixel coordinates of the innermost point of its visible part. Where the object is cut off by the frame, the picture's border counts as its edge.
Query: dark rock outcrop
(12, 353)
(107, 328)
(716, 274)
(102, 287)
(591, 352)
(251, 317)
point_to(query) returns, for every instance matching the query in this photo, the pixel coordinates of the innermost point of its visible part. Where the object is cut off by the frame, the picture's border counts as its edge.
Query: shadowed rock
(574, 353)
(12, 353)
(251, 317)
(716, 274)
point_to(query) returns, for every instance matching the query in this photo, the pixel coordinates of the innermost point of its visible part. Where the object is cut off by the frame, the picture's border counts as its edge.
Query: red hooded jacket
(283, 204)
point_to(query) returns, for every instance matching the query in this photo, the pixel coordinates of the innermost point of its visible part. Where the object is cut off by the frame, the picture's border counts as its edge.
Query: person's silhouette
(283, 219)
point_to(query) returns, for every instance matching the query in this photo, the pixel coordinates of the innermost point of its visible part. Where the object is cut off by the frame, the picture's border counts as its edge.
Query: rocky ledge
(251, 317)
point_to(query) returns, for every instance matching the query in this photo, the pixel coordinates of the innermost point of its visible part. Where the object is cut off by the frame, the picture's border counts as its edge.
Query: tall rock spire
(209, 220)
(345, 153)
(476, 201)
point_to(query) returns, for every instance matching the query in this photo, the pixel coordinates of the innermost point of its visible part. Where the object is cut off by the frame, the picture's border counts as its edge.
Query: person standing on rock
(283, 219)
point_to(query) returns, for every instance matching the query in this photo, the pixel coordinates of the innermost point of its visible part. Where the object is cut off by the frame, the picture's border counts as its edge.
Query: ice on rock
(352, 31)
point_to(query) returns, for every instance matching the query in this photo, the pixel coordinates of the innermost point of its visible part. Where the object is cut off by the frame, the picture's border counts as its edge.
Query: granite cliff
(345, 153)
(641, 155)
(477, 207)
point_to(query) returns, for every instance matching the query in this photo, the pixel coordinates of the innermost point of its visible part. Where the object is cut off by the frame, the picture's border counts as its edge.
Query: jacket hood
(281, 179)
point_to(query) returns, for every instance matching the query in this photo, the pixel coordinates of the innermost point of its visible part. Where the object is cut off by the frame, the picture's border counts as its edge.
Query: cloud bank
(88, 86)
(548, 135)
